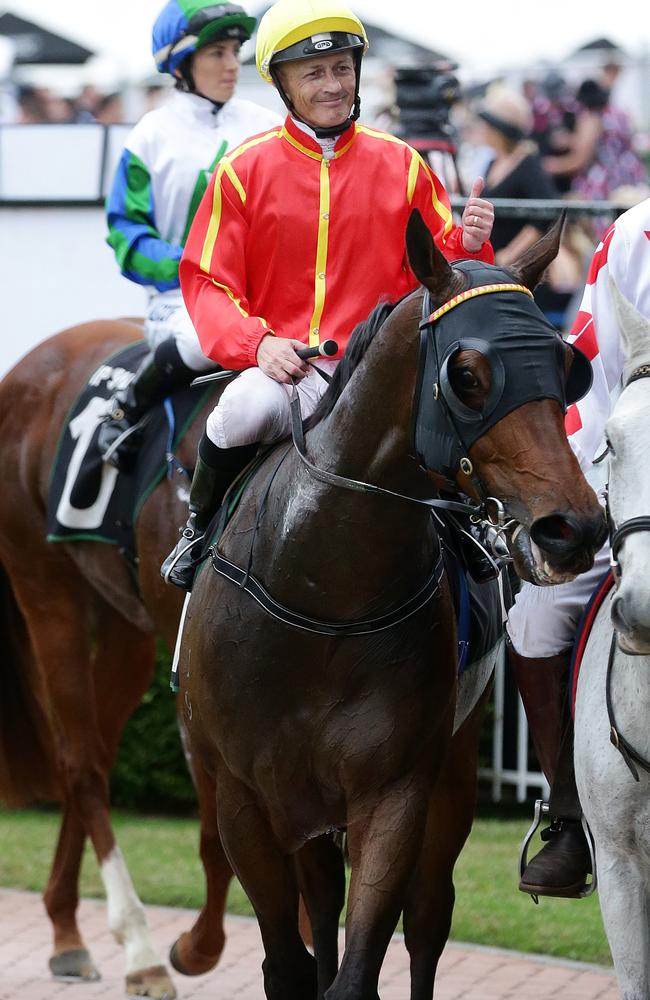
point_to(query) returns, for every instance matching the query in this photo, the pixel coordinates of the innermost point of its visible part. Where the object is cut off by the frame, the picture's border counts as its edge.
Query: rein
(626, 750)
(246, 581)
(618, 535)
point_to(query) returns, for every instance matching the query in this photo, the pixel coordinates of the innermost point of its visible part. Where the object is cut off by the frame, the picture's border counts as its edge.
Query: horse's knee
(86, 784)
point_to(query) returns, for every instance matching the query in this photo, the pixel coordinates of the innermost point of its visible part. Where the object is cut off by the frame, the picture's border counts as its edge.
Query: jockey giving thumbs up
(478, 218)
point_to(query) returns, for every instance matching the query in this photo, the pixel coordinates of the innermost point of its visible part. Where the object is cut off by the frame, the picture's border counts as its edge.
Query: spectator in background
(87, 103)
(33, 105)
(601, 160)
(110, 110)
(514, 171)
(555, 110)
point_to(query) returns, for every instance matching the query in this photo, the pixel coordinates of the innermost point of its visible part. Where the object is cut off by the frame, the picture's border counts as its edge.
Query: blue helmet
(183, 26)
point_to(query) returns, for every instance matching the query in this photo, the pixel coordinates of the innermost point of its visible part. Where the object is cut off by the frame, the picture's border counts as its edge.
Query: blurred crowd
(32, 105)
(544, 139)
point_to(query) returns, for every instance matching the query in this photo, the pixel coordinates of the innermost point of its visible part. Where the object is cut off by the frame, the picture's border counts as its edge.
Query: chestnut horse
(318, 690)
(79, 653)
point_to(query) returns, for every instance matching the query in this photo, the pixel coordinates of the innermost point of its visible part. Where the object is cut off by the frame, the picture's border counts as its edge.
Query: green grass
(162, 855)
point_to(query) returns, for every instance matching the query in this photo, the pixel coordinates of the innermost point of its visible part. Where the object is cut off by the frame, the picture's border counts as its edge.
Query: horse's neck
(367, 435)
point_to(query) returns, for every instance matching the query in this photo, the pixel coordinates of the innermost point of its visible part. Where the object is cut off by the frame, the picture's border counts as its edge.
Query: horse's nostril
(549, 531)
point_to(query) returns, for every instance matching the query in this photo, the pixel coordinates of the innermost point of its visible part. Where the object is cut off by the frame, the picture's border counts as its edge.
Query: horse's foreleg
(198, 950)
(321, 876)
(269, 879)
(384, 845)
(625, 904)
(431, 895)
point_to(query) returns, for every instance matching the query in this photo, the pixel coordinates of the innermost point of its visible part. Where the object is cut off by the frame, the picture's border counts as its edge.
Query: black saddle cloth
(89, 500)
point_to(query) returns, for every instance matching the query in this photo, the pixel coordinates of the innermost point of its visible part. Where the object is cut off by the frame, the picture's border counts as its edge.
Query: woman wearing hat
(299, 236)
(163, 172)
(515, 170)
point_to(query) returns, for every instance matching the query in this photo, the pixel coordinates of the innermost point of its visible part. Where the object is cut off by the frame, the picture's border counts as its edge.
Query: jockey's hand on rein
(277, 358)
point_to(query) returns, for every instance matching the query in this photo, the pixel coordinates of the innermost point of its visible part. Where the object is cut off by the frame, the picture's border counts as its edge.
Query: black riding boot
(562, 866)
(121, 433)
(215, 470)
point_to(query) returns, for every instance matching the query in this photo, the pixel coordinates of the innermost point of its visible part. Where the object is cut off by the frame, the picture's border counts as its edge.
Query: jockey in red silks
(299, 236)
(542, 623)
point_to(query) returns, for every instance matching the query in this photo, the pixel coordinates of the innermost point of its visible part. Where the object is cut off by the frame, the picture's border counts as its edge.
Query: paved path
(466, 972)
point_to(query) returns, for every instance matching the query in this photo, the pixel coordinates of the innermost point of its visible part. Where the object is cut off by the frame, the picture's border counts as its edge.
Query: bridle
(618, 535)
(634, 524)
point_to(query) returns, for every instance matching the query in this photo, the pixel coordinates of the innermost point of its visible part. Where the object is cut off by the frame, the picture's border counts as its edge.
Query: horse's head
(629, 483)
(495, 381)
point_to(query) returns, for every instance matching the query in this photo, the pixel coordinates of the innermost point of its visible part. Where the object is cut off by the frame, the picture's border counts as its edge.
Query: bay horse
(612, 734)
(310, 692)
(79, 653)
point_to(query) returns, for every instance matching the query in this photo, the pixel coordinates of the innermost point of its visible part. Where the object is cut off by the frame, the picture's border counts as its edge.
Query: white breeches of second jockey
(254, 407)
(168, 317)
(543, 620)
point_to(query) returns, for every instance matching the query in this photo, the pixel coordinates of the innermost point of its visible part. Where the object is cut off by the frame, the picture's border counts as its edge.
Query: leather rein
(618, 535)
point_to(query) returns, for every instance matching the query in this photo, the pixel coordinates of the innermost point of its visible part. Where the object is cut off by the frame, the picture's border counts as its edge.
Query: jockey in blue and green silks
(163, 172)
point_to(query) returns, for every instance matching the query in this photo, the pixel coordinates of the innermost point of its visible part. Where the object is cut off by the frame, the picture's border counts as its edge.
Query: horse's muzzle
(558, 547)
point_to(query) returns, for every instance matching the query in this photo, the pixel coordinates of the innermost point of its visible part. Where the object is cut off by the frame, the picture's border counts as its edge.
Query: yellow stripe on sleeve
(414, 170)
(235, 301)
(441, 209)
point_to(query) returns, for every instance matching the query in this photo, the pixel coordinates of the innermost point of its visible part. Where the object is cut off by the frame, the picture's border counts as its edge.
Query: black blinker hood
(526, 358)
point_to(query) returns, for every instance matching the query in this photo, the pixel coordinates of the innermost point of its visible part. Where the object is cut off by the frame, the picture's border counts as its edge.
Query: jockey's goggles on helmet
(327, 43)
(184, 26)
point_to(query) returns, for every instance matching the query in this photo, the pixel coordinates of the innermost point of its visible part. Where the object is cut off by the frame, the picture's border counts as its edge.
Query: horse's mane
(360, 339)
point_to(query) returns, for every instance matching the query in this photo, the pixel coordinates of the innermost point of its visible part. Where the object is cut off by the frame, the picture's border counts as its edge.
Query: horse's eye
(610, 448)
(466, 379)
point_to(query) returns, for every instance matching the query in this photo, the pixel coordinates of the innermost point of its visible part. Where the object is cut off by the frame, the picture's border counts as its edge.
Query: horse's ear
(531, 266)
(427, 263)
(633, 326)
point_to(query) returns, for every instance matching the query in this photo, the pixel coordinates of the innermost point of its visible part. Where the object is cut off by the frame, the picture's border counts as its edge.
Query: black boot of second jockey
(562, 866)
(120, 434)
(215, 470)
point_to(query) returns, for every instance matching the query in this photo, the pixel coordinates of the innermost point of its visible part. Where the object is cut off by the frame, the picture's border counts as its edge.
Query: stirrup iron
(543, 810)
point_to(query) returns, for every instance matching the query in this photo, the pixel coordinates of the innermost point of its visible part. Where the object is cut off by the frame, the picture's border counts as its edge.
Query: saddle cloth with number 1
(89, 500)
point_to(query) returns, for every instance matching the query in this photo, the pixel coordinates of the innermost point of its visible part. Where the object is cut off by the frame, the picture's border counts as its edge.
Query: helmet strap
(185, 83)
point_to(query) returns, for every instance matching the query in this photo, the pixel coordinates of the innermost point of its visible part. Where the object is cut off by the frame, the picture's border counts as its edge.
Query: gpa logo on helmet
(323, 45)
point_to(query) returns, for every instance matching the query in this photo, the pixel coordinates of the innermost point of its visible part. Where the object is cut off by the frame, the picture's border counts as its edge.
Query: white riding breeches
(254, 407)
(168, 317)
(543, 620)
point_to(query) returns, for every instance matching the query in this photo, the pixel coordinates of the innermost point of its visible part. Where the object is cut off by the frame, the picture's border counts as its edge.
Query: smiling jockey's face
(321, 89)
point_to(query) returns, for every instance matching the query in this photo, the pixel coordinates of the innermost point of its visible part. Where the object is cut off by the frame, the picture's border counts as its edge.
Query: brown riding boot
(562, 866)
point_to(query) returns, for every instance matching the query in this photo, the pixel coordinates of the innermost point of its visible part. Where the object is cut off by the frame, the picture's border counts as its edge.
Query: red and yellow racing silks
(288, 242)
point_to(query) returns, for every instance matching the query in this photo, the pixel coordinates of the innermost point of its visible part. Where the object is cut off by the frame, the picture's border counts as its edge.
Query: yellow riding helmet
(289, 22)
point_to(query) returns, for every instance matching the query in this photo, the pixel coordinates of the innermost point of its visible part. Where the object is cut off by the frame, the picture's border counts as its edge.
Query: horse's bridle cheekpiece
(444, 428)
(617, 536)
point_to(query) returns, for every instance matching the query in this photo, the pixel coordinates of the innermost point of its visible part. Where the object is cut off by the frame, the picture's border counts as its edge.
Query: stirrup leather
(542, 810)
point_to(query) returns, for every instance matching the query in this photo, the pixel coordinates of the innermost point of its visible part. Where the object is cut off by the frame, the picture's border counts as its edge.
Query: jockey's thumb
(477, 187)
